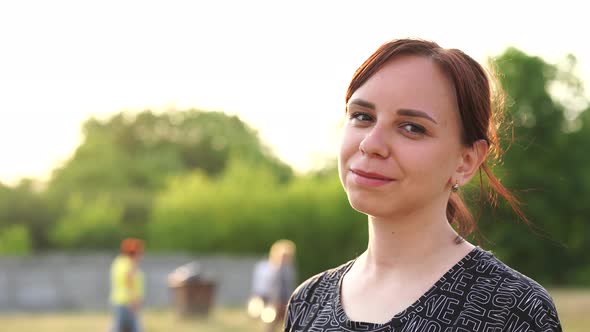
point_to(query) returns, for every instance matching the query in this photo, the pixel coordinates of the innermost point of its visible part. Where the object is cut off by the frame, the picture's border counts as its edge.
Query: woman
(273, 282)
(420, 124)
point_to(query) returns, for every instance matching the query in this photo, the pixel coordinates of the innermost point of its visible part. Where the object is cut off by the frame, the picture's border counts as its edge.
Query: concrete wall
(56, 282)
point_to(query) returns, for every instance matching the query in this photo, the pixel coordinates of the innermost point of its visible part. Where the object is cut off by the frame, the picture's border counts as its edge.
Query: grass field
(573, 306)
(226, 320)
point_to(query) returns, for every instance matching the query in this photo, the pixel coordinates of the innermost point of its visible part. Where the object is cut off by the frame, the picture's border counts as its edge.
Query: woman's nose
(374, 144)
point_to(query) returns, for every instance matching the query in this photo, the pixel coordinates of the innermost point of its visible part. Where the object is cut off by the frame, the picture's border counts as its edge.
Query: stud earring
(455, 187)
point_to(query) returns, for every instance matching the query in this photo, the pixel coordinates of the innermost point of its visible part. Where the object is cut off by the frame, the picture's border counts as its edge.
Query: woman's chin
(368, 207)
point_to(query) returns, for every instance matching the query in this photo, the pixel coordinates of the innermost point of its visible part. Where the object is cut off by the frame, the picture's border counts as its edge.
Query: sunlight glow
(268, 315)
(255, 307)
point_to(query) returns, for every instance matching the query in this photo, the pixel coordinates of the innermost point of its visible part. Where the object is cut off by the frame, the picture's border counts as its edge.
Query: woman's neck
(409, 240)
(405, 256)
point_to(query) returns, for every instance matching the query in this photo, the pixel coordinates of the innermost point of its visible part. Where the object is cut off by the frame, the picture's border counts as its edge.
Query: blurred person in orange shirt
(127, 286)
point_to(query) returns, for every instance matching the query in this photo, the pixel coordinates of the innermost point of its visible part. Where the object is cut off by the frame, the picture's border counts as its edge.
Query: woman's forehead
(409, 82)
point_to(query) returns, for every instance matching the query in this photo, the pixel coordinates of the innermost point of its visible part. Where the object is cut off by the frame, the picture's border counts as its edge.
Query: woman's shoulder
(321, 285)
(507, 288)
(490, 270)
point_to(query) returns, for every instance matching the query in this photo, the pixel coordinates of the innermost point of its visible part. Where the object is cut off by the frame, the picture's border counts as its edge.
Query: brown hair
(480, 105)
(131, 246)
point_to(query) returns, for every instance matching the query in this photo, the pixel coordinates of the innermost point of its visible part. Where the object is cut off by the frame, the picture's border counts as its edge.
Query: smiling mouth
(371, 175)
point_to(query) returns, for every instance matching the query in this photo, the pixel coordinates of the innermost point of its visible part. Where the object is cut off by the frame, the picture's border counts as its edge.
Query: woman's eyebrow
(416, 113)
(362, 103)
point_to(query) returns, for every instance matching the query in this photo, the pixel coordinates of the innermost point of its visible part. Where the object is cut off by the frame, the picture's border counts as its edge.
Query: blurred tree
(89, 224)
(546, 165)
(25, 208)
(143, 150)
(130, 158)
(247, 209)
(15, 240)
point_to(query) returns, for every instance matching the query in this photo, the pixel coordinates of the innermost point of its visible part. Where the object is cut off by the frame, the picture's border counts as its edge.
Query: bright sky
(282, 66)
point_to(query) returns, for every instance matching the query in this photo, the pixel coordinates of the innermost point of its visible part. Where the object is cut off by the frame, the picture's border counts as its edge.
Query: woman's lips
(370, 179)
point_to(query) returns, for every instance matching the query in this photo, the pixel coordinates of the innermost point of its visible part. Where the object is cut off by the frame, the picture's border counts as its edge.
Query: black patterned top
(479, 293)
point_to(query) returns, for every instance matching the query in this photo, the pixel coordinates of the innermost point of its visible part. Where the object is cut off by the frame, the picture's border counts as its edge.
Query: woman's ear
(471, 158)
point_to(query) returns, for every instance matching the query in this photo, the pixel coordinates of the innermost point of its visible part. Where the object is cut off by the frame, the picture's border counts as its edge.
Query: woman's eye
(413, 128)
(360, 116)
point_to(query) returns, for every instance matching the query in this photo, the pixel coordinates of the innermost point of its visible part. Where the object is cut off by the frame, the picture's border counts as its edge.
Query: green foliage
(143, 150)
(546, 166)
(211, 212)
(247, 209)
(25, 206)
(130, 158)
(91, 224)
(15, 240)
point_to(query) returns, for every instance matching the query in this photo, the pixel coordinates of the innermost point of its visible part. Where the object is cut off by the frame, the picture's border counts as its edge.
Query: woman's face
(401, 141)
